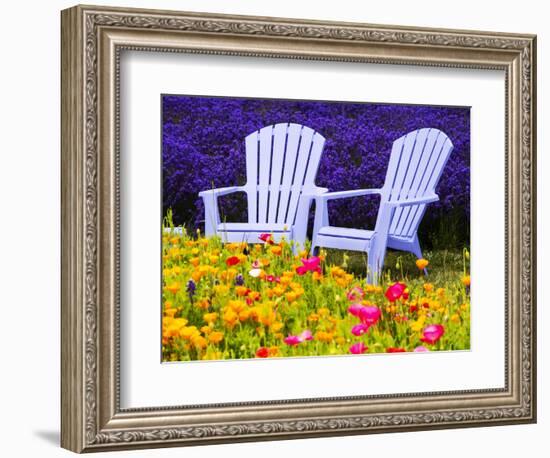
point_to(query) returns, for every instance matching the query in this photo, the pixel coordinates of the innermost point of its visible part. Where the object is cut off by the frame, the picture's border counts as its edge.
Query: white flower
(255, 273)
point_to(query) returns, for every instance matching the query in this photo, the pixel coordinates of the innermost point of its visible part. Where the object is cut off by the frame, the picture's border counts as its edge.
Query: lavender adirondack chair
(281, 166)
(416, 163)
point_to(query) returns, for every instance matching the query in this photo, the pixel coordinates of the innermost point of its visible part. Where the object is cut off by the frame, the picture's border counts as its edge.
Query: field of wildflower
(259, 300)
(238, 300)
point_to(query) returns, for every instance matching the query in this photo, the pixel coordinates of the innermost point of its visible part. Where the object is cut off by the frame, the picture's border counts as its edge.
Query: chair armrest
(314, 192)
(346, 194)
(220, 191)
(415, 201)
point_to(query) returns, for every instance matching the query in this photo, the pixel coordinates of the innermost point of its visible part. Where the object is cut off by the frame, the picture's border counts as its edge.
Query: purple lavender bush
(203, 148)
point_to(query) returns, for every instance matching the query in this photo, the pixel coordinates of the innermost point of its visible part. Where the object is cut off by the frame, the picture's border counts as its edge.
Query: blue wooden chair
(281, 166)
(416, 163)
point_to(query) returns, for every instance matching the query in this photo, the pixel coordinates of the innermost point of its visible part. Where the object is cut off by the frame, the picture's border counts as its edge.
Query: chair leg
(373, 267)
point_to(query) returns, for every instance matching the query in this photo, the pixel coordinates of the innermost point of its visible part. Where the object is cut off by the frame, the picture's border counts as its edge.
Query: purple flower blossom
(203, 147)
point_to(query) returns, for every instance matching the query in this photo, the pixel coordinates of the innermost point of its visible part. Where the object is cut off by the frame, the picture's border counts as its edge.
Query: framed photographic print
(278, 228)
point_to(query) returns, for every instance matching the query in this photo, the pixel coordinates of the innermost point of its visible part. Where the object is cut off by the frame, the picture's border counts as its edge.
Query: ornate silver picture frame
(93, 39)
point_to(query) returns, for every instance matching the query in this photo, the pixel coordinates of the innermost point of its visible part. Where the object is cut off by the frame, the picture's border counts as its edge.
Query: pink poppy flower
(306, 335)
(358, 348)
(355, 309)
(309, 265)
(369, 315)
(360, 329)
(421, 349)
(256, 264)
(270, 278)
(431, 334)
(267, 238)
(295, 340)
(395, 291)
(292, 340)
(355, 294)
(301, 270)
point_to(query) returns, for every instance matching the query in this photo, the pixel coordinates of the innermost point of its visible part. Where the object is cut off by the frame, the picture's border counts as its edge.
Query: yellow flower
(195, 261)
(244, 315)
(323, 311)
(284, 280)
(278, 291)
(254, 295)
(276, 250)
(236, 305)
(221, 290)
(167, 272)
(466, 280)
(428, 287)
(291, 296)
(215, 337)
(210, 317)
(195, 251)
(171, 326)
(230, 318)
(212, 355)
(174, 240)
(440, 292)
(303, 254)
(455, 318)
(170, 312)
(206, 330)
(188, 332)
(422, 263)
(199, 342)
(313, 317)
(241, 290)
(173, 287)
(316, 276)
(274, 351)
(418, 325)
(267, 315)
(276, 326)
(203, 304)
(214, 259)
(370, 288)
(323, 336)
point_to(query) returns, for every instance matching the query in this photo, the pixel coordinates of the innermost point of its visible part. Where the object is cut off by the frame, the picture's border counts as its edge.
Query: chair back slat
(282, 161)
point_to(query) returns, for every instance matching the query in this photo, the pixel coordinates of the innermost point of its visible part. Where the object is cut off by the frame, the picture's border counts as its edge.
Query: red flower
(267, 238)
(262, 352)
(232, 261)
(395, 350)
(270, 278)
(395, 291)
